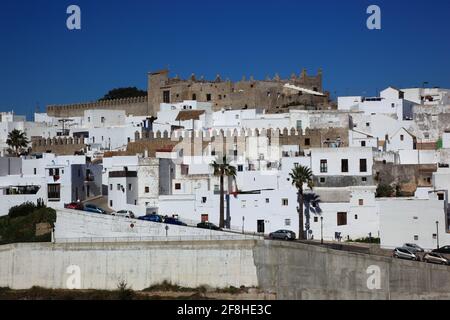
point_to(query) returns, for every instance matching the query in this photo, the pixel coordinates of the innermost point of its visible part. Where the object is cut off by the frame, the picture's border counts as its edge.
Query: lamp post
(243, 220)
(437, 233)
(321, 230)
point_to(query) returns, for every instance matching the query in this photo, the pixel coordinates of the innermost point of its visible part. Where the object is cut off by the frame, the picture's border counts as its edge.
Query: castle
(275, 95)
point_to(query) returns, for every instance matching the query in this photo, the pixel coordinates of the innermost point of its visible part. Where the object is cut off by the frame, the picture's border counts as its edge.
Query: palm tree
(222, 170)
(17, 141)
(301, 175)
(311, 201)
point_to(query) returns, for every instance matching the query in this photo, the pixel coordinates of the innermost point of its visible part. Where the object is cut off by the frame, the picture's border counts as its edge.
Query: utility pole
(437, 233)
(321, 230)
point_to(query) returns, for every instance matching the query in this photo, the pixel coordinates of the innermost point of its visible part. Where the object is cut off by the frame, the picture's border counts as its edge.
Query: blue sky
(42, 62)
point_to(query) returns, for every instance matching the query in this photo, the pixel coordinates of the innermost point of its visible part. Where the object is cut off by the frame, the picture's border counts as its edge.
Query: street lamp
(437, 233)
(321, 230)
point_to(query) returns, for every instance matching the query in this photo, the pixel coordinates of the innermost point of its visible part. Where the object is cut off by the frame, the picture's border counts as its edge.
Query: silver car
(433, 257)
(403, 253)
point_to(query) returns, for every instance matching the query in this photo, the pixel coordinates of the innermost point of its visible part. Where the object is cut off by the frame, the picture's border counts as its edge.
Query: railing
(234, 237)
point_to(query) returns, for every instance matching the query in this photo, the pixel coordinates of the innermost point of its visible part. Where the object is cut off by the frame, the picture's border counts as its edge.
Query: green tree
(301, 175)
(384, 191)
(120, 93)
(223, 169)
(17, 142)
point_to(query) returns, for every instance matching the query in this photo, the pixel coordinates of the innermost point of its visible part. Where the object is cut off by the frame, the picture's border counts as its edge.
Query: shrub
(384, 191)
(22, 210)
(124, 292)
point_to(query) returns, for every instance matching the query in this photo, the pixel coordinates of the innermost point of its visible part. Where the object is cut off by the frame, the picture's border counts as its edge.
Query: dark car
(208, 225)
(444, 249)
(414, 248)
(74, 206)
(93, 208)
(283, 234)
(175, 221)
(152, 218)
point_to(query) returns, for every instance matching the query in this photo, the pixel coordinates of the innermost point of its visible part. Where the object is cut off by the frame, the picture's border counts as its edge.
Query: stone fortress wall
(269, 94)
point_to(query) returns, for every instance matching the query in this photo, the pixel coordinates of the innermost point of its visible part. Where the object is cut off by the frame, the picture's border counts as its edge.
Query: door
(260, 226)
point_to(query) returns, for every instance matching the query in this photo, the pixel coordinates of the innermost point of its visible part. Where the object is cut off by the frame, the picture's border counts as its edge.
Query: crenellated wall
(136, 106)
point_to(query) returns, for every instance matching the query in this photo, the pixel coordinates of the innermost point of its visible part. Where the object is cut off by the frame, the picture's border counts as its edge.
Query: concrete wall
(103, 265)
(298, 271)
(291, 270)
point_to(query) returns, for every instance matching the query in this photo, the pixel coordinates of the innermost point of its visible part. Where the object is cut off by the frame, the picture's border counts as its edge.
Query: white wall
(402, 219)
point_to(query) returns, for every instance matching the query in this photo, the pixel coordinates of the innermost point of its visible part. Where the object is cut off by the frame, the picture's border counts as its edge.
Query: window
(344, 165)
(236, 116)
(118, 187)
(287, 222)
(110, 187)
(362, 165)
(342, 218)
(50, 172)
(243, 203)
(322, 180)
(367, 124)
(130, 187)
(267, 200)
(177, 186)
(204, 199)
(299, 124)
(128, 140)
(166, 96)
(89, 119)
(35, 171)
(363, 143)
(284, 202)
(213, 152)
(110, 203)
(102, 119)
(323, 166)
(416, 237)
(361, 202)
(147, 189)
(440, 196)
(392, 105)
(356, 217)
(240, 167)
(208, 97)
(307, 141)
(54, 192)
(364, 179)
(402, 137)
(256, 203)
(316, 219)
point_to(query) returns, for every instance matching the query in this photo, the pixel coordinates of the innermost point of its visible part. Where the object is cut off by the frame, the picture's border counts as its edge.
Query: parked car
(413, 247)
(124, 213)
(152, 218)
(208, 225)
(444, 249)
(93, 208)
(283, 234)
(74, 206)
(175, 221)
(433, 257)
(403, 253)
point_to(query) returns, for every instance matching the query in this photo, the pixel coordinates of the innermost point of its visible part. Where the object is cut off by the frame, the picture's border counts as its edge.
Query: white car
(124, 213)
